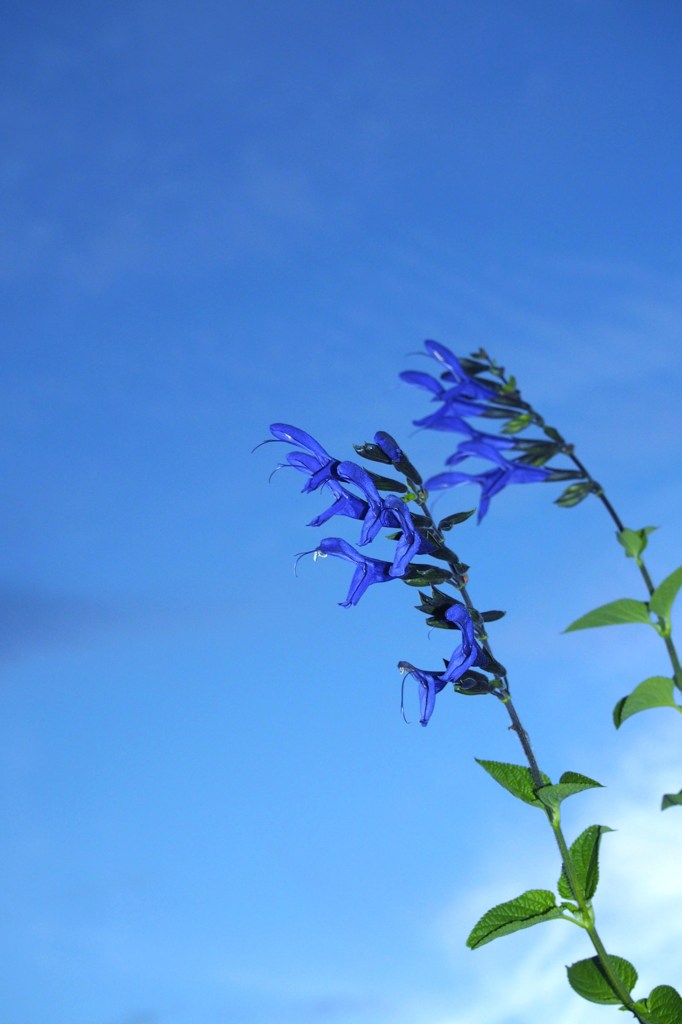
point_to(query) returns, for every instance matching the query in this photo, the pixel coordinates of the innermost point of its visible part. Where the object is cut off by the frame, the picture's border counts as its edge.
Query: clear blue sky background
(219, 215)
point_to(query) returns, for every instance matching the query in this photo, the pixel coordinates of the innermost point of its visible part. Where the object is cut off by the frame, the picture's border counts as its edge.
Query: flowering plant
(477, 388)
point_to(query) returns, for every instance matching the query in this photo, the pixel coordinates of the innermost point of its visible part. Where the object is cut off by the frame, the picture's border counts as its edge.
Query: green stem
(644, 572)
(587, 913)
(597, 489)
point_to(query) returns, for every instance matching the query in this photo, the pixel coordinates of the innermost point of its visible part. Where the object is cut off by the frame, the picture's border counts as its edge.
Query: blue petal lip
(285, 432)
(388, 445)
(367, 571)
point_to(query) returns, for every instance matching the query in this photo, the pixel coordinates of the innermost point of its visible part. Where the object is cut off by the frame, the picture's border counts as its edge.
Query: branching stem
(587, 913)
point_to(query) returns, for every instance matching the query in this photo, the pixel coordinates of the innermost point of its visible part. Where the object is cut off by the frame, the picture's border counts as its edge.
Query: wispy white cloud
(638, 904)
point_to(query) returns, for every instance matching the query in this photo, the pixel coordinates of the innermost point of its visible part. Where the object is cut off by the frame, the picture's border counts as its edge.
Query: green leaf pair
(585, 858)
(627, 610)
(519, 782)
(538, 905)
(663, 1006)
(589, 980)
(635, 541)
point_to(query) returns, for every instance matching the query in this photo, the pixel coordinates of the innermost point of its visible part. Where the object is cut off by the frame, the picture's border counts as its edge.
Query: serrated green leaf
(570, 777)
(656, 692)
(515, 778)
(574, 494)
(665, 593)
(671, 800)
(664, 1005)
(453, 520)
(532, 907)
(635, 541)
(585, 856)
(616, 613)
(588, 979)
(569, 784)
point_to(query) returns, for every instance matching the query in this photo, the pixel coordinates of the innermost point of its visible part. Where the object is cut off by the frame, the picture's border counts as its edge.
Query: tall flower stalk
(401, 505)
(477, 388)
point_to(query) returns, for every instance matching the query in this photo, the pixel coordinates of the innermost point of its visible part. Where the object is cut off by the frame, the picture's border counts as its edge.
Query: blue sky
(219, 216)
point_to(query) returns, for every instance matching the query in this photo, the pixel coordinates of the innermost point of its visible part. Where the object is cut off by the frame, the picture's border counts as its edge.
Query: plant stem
(597, 489)
(644, 572)
(502, 692)
(571, 874)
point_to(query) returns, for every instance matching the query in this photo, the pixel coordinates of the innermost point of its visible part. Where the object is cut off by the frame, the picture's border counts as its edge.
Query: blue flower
(491, 481)
(351, 473)
(367, 570)
(465, 655)
(465, 386)
(450, 416)
(346, 504)
(465, 389)
(374, 511)
(482, 446)
(315, 461)
(430, 683)
(395, 514)
(389, 446)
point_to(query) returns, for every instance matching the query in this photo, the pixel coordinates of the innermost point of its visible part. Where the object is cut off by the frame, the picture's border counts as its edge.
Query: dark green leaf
(532, 907)
(434, 623)
(574, 494)
(436, 601)
(473, 683)
(554, 434)
(616, 613)
(472, 367)
(585, 856)
(405, 467)
(494, 413)
(515, 778)
(664, 1005)
(442, 552)
(385, 483)
(569, 784)
(492, 616)
(372, 452)
(588, 979)
(656, 692)
(671, 800)
(421, 575)
(557, 475)
(453, 520)
(665, 593)
(538, 454)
